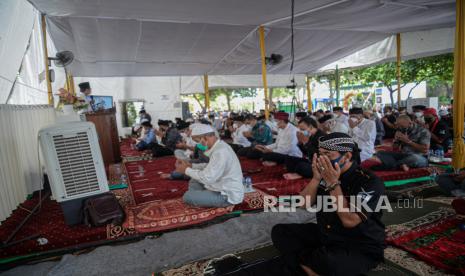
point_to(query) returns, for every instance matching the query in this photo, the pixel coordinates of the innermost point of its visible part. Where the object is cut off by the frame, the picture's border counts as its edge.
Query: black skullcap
(301, 114)
(163, 123)
(146, 124)
(239, 118)
(356, 111)
(83, 86)
(182, 125)
(337, 141)
(419, 107)
(325, 118)
(338, 108)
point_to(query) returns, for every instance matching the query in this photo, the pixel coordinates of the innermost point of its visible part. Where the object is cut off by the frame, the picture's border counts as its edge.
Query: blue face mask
(202, 147)
(306, 133)
(335, 161)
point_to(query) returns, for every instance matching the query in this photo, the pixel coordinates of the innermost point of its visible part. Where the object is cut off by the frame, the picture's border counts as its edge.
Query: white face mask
(353, 119)
(234, 125)
(419, 114)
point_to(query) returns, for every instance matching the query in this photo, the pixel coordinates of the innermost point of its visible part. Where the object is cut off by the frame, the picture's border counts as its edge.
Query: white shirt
(222, 174)
(340, 127)
(217, 123)
(88, 101)
(365, 135)
(342, 118)
(239, 138)
(273, 125)
(286, 142)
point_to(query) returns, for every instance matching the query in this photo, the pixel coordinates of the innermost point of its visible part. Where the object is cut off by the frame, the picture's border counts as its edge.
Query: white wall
(159, 101)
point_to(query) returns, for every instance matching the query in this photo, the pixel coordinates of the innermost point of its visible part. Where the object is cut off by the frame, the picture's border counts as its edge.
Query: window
(130, 112)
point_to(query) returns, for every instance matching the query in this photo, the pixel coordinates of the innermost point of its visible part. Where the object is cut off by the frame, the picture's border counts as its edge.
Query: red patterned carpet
(147, 185)
(438, 239)
(148, 200)
(48, 223)
(169, 214)
(398, 174)
(127, 150)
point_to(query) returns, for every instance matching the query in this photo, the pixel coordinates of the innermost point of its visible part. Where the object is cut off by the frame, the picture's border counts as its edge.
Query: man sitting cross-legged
(285, 145)
(308, 136)
(348, 238)
(412, 140)
(217, 183)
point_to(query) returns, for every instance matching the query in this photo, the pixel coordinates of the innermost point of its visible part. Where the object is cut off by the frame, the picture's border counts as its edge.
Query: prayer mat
(130, 153)
(169, 214)
(252, 201)
(402, 175)
(282, 186)
(437, 238)
(191, 269)
(145, 182)
(407, 261)
(127, 147)
(441, 199)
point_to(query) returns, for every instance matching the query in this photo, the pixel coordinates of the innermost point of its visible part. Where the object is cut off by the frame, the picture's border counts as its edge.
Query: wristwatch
(331, 187)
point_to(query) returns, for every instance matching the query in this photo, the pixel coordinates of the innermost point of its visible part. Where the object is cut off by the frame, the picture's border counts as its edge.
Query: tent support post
(261, 32)
(70, 82)
(47, 69)
(458, 152)
(309, 94)
(207, 93)
(337, 84)
(399, 98)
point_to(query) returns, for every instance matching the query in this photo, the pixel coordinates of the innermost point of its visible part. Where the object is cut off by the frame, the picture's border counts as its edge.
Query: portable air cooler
(74, 165)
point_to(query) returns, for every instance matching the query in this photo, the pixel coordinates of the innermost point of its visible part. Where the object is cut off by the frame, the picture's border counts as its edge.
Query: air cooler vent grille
(76, 163)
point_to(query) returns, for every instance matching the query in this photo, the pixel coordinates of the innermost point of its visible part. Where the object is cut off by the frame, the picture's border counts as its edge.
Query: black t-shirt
(369, 235)
(442, 131)
(389, 132)
(311, 147)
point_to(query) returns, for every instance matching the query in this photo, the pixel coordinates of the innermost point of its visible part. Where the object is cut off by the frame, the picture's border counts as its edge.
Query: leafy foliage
(435, 69)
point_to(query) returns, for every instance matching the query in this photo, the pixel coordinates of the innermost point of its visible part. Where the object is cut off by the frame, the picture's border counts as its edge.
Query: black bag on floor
(102, 210)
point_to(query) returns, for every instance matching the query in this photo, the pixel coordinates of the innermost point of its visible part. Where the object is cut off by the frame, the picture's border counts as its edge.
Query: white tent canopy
(413, 45)
(185, 38)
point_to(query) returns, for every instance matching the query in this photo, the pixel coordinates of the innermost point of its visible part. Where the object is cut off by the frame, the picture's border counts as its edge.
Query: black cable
(292, 35)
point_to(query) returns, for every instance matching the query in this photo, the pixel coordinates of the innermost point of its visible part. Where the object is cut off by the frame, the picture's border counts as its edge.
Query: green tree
(229, 93)
(132, 113)
(412, 71)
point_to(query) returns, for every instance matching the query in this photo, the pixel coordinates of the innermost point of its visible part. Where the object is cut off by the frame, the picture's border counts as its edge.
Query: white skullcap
(201, 129)
(144, 120)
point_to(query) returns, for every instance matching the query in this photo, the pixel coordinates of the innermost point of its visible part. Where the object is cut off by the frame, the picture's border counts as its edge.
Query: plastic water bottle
(432, 156)
(441, 155)
(247, 181)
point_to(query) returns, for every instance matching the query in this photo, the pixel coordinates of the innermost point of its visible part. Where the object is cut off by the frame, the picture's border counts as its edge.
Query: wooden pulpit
(107, 131)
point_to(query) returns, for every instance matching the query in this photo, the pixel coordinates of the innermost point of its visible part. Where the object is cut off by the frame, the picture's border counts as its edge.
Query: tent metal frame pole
(70, 82)
(46, 61)
(458, 151)
(309, 94)
(261, 32)
(398, 52)
(337, 84)
(207, 93)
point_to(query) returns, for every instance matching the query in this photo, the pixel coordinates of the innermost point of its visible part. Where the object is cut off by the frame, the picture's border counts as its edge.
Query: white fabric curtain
(30, 86)
(20, 174)
(16, 21)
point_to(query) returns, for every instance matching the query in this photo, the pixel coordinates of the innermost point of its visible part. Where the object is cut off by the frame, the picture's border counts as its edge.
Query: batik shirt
(261, 134)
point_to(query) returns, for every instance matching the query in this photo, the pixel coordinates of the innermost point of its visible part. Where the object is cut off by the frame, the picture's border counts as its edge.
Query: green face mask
(202, 147)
